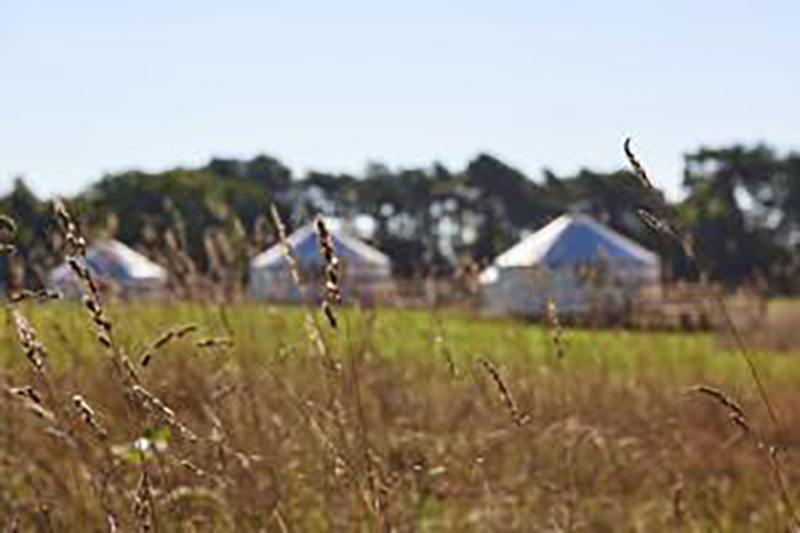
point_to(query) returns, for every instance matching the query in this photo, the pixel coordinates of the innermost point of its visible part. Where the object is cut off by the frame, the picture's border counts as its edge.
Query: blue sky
(88, 86)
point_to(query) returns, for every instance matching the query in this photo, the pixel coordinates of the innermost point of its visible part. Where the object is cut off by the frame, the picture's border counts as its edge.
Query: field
(396, 420)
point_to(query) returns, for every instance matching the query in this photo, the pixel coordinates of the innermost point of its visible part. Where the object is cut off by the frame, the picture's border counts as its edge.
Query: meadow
(257, 418)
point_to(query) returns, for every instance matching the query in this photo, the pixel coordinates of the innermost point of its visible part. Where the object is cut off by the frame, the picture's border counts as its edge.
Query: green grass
(612, 431)
(262, 331)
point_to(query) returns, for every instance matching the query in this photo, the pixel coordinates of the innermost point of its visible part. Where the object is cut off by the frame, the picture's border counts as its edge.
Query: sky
(89, 87)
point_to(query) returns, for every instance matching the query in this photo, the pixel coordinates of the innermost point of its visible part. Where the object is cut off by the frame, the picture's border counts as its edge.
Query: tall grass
(606, 445)
(659, 219)
(256, 418)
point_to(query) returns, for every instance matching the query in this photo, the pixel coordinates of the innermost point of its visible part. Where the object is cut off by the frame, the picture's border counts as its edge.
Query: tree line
(741, 209)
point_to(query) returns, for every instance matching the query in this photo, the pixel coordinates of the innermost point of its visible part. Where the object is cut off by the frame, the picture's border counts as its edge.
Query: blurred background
(439, 132)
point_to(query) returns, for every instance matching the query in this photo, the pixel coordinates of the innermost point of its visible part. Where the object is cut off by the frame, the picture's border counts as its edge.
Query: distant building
(580, 264)
(366, 272)
(117, 269)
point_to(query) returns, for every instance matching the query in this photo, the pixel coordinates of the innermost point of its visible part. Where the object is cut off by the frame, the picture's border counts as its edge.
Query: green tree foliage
(742, 208)
(34, 236)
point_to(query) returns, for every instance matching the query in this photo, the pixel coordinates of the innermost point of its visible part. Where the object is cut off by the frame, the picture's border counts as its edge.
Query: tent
(578, 263)
(366, 272)
(117, 268)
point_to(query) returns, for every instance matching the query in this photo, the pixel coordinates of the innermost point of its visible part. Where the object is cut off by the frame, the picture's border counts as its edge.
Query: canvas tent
(580, 264)
(366, 272)
(116, 267)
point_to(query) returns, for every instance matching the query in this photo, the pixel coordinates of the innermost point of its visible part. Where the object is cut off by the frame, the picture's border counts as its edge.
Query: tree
(734, 195)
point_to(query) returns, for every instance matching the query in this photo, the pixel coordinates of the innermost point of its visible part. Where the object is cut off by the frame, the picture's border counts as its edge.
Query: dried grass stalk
(638, 169)
(288, 251)
(505, 393)
(165, 339)
(89, 416)
(76, 255)
(27, 392)
(332, 290)
(33, 348)
(556, 331)
(144, 504)
(39, 296)
(220, 342)
(162, 411)
(76, 244)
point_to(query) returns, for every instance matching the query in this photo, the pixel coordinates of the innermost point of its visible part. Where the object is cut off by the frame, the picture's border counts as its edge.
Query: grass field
(397, 420)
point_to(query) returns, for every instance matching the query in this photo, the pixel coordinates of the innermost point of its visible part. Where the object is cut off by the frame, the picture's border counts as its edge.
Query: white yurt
(117, 268)
(577, 262)
(366, 272)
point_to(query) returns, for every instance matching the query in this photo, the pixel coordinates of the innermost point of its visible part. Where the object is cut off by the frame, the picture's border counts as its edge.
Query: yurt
(575, 261)
(117, 268)
(366, 272)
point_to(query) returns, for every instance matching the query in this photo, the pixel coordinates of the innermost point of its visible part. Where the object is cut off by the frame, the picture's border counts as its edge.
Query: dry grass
(777, 329)
(609, 440)
(771, 451)
(259, 419)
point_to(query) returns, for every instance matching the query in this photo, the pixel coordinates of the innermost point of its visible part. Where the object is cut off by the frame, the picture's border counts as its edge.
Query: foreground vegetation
(397, 420)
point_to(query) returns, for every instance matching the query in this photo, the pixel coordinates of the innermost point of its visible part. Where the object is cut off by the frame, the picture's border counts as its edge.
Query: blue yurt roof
(573, 239)
(112, 259)
(305, 246)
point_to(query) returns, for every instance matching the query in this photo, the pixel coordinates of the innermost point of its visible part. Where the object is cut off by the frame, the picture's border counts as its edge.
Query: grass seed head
(76, 244)
(34, 350)
(736, 414)
(88, 415)
(288, 251)
(556, 331)
(332, 291)
(638, 169)
(165, 339)
(27, 392)
(505, 393)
